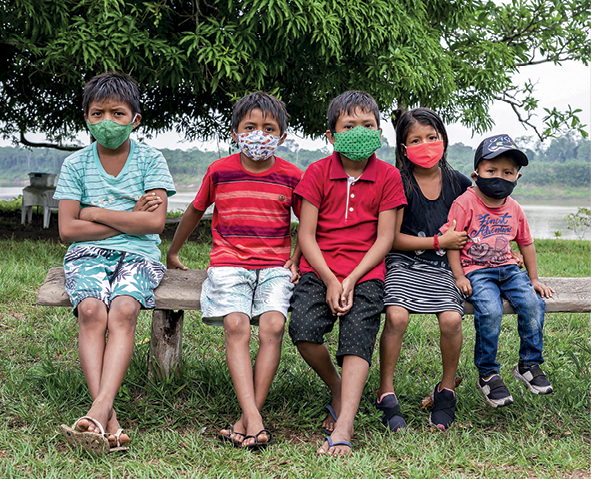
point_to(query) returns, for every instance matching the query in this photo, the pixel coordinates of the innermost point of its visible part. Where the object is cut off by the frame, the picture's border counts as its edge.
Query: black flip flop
(229, 438)
(257, 445)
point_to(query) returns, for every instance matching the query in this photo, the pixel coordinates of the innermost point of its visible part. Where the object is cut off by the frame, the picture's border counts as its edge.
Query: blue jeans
(489, 286)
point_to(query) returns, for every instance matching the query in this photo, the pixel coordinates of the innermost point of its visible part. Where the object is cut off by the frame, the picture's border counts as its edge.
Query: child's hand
(333, 296)
(453, 239)
(518, 257)
(346, 301)
(173, 262)
(148, 202)
(295, 272)
(86, 214)
(464, 286)
(543, 290)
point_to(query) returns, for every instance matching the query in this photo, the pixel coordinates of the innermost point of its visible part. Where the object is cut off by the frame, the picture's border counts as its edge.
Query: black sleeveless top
(424, 217)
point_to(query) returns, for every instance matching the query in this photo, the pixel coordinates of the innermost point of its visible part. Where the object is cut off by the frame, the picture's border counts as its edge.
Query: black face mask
(496, 188)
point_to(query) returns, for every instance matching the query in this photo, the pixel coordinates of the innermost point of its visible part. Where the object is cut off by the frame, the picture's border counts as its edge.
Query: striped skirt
(420, 287)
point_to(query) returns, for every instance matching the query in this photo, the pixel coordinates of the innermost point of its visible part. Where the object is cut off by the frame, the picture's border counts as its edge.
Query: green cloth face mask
(358, 144)
(109, 133)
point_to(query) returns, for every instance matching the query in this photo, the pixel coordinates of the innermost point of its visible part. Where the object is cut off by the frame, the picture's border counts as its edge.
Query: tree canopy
(194, 58)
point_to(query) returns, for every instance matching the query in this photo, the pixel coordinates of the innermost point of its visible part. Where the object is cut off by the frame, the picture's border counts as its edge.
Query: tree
(194, 58)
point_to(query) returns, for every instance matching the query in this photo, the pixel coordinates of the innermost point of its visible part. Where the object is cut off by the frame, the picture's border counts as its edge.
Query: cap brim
(518, 155)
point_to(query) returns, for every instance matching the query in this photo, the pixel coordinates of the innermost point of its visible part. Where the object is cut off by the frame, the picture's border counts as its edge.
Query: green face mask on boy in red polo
(358, 144)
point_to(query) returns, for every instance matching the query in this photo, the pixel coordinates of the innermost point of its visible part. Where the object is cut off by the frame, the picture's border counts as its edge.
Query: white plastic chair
(49, 204)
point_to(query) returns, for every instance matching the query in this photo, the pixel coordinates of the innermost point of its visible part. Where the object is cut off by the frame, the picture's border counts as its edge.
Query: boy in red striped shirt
(251, 274)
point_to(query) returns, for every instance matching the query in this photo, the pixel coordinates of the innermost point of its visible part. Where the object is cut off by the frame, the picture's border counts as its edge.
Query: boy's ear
(137, 120)
(474, 175)
(234, 137)
(330, 137)
(282, 139)
(518, 175)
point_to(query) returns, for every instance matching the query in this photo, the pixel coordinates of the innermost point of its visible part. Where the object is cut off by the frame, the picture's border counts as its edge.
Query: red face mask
(426, 155)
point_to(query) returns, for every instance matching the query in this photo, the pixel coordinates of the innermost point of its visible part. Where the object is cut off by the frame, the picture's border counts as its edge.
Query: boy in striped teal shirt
(113, 198)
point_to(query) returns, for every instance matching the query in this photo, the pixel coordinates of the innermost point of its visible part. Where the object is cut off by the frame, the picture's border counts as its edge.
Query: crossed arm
(93, 223)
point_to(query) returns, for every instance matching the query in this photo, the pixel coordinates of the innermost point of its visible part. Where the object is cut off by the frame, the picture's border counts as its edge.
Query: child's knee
(307, 347)
(450, 323)
(396, 320)
(236, 325)
(272, 326)
(92, 312)
(124, 312)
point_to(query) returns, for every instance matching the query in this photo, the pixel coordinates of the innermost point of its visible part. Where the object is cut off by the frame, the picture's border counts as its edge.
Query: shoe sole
(508, 400)
(531, 387)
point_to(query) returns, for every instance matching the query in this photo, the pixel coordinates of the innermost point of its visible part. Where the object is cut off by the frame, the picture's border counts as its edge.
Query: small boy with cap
(486, 271)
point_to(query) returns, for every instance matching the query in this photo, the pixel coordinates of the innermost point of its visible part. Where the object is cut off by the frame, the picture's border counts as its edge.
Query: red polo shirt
(348, 211)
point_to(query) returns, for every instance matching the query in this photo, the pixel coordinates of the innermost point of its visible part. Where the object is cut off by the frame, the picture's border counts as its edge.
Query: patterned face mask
(109, 133)
(357, 144)
(258, 145)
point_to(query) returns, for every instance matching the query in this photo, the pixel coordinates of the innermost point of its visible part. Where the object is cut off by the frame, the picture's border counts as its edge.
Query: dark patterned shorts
(311, 317)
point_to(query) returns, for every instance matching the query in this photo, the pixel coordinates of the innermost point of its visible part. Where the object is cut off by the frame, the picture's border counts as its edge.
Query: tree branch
(515, 105)
(26, 142)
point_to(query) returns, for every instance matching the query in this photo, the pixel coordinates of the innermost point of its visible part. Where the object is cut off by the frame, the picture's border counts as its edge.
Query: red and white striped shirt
(252, 216)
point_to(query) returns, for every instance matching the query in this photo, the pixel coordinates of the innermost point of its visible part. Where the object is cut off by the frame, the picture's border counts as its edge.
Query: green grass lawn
(174, 425)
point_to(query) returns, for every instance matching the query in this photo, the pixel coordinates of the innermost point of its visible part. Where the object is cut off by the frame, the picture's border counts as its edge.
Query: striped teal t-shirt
(83, 178)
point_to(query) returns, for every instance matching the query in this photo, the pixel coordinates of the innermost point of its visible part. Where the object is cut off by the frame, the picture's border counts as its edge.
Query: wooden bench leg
(165, 344)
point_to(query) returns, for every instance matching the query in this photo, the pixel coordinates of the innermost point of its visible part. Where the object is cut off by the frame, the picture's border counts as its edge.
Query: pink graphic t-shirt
(490, 231)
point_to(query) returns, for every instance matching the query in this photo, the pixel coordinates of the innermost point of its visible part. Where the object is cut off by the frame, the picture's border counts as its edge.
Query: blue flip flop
(338, 443)
(334, 416)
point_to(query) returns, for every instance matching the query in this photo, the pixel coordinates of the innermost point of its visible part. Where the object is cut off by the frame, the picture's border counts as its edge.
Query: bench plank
(182, 290)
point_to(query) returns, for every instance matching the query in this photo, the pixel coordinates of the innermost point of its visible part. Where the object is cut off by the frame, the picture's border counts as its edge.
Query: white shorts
(239, 290)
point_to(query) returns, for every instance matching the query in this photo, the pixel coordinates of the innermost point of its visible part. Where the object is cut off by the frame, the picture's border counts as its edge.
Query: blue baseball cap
(494, 146)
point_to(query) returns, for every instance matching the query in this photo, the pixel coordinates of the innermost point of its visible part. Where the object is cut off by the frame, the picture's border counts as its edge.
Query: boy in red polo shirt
(347, 223)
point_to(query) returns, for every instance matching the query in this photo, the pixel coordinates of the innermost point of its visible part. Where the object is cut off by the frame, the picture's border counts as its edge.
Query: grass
(174, 424)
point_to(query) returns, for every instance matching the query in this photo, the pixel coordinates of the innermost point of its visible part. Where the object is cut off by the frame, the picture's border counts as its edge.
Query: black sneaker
(495, 392)
(534, 377)
(444, 408)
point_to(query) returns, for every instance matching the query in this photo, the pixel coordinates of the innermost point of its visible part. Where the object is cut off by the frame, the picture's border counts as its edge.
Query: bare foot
(239, 432)
(340, 440)
(112, 428)
(336, 450)
(99, 413)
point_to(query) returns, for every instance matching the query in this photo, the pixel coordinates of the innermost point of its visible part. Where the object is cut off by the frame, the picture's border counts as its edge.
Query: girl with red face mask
(418, 276)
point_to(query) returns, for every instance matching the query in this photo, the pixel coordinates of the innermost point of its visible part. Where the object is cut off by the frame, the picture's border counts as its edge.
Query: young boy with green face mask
(347, 225)
(113, 197)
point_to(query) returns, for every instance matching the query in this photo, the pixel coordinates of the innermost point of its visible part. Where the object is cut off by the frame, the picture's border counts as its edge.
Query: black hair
(426, 117)
(347, 103)
(268, 104)
(112, 86)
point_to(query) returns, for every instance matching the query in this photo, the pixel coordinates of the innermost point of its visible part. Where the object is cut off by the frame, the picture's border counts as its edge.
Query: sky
(557, 86)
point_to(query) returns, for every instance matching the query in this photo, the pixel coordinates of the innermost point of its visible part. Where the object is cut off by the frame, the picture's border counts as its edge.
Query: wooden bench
(181, 290)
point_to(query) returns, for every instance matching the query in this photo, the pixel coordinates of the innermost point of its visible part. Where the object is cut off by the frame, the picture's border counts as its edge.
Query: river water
(544, 218)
